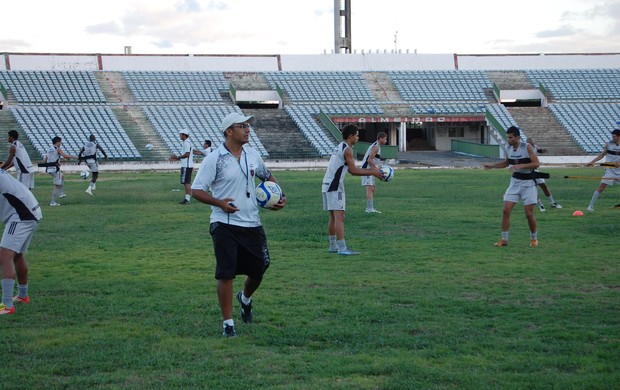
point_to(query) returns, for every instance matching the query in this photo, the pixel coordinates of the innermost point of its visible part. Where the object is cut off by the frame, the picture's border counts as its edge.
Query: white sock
(342, 245)
(244, 299)
(594, 198)
(229, 323)
(333, 244)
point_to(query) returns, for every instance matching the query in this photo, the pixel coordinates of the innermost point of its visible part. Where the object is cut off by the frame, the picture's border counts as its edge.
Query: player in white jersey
(542, 184)
(521, 160)
(372, 158)
(206, 149)
(341, 162)
(18, 158)
(226, 181)
(187, 164)
(88, 154)
(52, 167)
(20, 213)
(612, 174)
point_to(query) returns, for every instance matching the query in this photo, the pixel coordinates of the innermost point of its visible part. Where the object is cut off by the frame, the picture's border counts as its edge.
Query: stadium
(461, 103)
(121, 282)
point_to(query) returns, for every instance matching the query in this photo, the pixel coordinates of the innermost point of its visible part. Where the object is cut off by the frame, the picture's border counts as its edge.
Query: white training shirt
(228, 178)
(22, 160)
(187, 162)
(17, 202)
(90, 149)
(520, 156)
(613, 155)
(336, 170)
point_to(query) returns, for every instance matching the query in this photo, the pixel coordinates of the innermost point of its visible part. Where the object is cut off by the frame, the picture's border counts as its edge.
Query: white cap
(232, 118)
(186, 132)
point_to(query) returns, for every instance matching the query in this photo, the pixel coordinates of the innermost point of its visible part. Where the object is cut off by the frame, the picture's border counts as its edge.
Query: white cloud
(307, 27)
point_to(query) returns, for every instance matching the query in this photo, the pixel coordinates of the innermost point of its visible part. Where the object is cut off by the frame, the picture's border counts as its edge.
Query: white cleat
(89, 191)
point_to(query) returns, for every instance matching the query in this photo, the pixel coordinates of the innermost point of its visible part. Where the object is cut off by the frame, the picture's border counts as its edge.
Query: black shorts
(239, 251)
(186, 175)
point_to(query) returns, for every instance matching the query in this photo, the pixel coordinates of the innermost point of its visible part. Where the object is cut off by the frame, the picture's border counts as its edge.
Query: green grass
(123, 294)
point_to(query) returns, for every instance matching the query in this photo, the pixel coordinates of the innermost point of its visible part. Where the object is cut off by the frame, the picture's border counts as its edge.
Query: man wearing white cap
(187, 164)
(239, 241)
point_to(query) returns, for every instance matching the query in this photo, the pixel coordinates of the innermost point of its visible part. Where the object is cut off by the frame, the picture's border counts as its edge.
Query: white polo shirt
(228, 178)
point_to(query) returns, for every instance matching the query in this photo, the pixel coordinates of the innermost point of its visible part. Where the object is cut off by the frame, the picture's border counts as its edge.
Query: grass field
(123, 294)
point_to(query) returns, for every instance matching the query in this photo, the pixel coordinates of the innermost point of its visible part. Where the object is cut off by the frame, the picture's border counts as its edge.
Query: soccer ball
(387, 172)
(149, 147)
(84, 174)
(268, 194)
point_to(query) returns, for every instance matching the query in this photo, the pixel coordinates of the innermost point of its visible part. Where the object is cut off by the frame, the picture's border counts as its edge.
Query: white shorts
(94, 166)
(17, 235)
(611, 174)
(57, 178)
(333, 201)
(368, 180)
(516, 193)
(26, 179)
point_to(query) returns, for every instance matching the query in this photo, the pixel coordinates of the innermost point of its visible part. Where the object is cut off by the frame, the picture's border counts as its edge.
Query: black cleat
(246, 310)
(229, 331)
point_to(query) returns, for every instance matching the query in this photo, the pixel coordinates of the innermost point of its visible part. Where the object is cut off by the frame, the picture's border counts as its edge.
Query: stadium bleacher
(74, 125)
(201, 121)
(72, 104)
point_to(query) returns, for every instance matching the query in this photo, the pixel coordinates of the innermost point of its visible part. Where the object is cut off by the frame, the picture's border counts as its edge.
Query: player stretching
(521, 160)
(612, 174)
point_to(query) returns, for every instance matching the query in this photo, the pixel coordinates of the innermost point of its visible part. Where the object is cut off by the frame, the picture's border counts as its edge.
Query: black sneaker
(246, 310)
(229, 331)
(185, 201)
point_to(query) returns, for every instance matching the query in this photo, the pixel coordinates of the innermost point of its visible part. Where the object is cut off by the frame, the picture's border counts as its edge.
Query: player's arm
(105, 155)
(502, 164)
(9, 160)
(65, 155)
(372, 155)
(225, 204)
(598, 157)
(355, 171)
(198, 152)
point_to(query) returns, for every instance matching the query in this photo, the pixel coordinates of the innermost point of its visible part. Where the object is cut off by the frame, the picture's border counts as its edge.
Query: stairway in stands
(540, 124)
(384, 91)
(280, 135)
(132, 117)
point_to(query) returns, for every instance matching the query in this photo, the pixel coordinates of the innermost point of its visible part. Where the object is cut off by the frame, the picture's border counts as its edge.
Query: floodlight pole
(342, 16)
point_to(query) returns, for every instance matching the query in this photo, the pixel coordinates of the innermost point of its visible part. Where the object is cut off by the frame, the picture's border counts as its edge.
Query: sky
(307, 27)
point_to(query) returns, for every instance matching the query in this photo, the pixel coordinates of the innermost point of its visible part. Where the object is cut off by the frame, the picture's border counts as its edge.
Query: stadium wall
(363, 62)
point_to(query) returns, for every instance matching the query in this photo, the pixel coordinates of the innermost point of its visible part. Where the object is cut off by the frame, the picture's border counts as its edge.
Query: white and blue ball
(387, 172)
(268, 193)
(84, 174)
